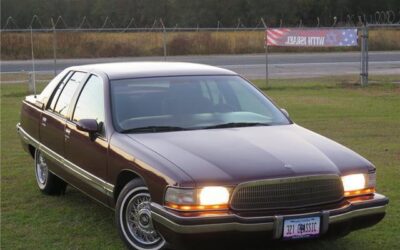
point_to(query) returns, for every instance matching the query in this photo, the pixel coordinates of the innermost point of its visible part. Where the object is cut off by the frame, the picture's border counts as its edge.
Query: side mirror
(285, 112)
(88, 125)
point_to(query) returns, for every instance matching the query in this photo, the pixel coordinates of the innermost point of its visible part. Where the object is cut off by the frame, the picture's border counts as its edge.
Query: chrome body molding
(211, 228)
(26, 137)
(356, 213)
(274, 224)
(73, 169)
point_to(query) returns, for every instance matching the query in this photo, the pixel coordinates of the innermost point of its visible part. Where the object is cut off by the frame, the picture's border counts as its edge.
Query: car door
(53, 119)
(87, 153)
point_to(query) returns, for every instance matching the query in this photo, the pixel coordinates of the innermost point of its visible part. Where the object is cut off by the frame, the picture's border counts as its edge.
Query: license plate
(301, 227)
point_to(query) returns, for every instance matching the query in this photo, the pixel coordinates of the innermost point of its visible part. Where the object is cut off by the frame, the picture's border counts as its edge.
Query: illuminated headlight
(353, 182)
(359, 184)
(214, 196)
(206, 198)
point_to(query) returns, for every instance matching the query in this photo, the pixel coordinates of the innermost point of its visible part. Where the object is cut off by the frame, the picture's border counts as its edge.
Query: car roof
(123, 70)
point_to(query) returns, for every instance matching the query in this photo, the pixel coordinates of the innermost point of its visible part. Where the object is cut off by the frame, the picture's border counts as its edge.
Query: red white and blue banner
(311, 37)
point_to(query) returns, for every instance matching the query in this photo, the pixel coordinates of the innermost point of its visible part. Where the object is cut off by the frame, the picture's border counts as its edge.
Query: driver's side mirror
(88, 125)
(285, 112)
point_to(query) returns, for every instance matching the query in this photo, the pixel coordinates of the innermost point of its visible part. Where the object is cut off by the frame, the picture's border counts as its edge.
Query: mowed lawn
(365, 119)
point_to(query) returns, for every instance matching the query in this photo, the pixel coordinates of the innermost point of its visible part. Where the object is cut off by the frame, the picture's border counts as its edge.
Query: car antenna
(33, 79)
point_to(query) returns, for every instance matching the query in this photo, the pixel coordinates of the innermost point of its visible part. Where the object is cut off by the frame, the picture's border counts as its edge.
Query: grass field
(365, 119)
(103, 44)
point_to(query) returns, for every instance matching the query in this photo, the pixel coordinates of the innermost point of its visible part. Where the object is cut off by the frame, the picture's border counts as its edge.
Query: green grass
(364, 119)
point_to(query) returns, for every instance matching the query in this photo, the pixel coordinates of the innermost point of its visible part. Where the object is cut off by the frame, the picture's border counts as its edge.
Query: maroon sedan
(181, 150)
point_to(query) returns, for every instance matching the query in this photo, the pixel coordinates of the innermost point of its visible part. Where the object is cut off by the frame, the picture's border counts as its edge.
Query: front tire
(133, 217)
(47, 182)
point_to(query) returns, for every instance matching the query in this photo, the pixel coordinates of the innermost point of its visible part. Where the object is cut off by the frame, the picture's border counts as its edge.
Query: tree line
(193, 13)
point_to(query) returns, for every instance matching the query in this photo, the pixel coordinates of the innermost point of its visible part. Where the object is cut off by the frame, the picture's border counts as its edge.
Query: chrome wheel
(47, 182)
(138, 216)
(41, 170)
(135, 220)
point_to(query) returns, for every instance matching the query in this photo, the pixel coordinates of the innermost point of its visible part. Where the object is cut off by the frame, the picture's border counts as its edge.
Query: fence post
(364, 56)
(164, 39)
(266, 54)
(54, 46)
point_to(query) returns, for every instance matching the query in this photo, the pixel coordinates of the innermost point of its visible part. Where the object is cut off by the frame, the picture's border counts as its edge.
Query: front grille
(294, 192)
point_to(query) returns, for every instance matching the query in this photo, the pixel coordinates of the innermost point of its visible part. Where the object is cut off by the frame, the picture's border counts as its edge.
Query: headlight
(206, 198)
(353, 182)
(180, 196)
(358, 184)
(214, 196)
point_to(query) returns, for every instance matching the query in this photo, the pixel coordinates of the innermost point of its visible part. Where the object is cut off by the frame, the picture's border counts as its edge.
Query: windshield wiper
(153, 129)
(237, 124)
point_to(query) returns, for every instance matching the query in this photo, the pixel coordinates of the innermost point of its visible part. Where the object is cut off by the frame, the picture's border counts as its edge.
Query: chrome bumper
(233, 222)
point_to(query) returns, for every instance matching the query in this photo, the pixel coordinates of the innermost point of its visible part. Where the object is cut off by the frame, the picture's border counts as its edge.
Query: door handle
(44, 121)
(67, 133)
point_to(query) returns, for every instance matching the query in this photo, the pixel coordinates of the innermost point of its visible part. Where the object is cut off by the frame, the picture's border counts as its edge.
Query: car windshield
(190, 102)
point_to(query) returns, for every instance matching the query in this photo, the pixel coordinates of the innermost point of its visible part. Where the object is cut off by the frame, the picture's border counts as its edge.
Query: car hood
(232, 155)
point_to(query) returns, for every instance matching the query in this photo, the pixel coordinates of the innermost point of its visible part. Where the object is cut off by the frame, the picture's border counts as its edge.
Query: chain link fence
(55, 39)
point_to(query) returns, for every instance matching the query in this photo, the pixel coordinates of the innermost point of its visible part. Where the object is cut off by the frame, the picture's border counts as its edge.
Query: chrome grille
(294, 192)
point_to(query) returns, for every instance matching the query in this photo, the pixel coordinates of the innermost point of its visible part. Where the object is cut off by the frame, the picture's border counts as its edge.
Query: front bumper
(355, 211)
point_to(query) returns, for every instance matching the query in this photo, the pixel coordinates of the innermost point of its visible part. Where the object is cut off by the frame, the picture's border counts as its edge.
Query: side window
(90, 104)
(58, 90)
(67, 93)
(52, 86)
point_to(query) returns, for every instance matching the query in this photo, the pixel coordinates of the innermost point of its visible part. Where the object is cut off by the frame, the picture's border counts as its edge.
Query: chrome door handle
(67, 133)
(44, 121)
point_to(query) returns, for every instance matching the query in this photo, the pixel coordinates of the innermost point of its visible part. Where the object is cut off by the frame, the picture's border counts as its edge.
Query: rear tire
(47, 182)
(133, 217)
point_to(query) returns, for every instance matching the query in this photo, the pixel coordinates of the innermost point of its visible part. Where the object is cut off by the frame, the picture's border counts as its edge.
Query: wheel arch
(32, 150)
(123, 178)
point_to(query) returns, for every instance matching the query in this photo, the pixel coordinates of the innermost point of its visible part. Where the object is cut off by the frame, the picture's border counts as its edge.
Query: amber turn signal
(359, 192)
(196, 207)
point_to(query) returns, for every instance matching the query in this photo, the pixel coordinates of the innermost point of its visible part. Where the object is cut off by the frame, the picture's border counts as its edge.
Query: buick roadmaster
(180, 149)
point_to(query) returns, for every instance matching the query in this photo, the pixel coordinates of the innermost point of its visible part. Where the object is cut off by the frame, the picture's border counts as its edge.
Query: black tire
(47, 182)
(133, 218)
